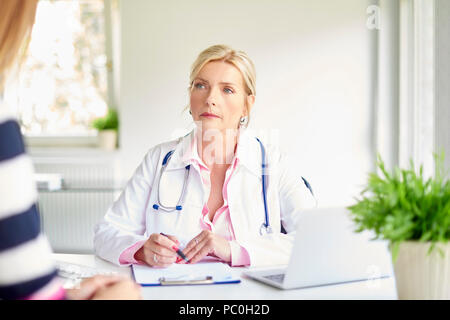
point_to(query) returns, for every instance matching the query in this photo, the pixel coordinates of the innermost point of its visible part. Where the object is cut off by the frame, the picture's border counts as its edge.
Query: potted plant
(413, 214)
(107, 127)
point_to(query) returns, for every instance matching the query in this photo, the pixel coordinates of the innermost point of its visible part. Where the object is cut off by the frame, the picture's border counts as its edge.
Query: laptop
(327, 251)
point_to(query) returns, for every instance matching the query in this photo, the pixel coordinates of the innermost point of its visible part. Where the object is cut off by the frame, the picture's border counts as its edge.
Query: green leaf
(402, 205)
(109, 122)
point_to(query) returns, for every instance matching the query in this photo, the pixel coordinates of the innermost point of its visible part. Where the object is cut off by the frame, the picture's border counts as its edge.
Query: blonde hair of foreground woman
(16, 21)
(225, 53)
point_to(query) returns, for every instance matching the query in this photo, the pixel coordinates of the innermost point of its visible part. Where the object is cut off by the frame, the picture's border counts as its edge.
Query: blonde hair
(16, 21)
(227, 54)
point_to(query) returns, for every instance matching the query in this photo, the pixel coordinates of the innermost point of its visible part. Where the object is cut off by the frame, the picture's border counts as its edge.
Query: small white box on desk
(48, 181)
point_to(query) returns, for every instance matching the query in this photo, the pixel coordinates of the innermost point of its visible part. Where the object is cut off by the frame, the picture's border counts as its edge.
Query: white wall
(313, 79)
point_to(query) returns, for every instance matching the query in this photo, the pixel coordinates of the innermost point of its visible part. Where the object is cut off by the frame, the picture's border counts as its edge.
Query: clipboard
(203, 273)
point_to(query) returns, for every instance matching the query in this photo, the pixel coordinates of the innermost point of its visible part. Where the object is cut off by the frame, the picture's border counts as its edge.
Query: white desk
(248, 289)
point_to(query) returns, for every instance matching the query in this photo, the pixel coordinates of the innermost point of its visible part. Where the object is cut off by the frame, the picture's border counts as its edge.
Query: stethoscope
(265, 227)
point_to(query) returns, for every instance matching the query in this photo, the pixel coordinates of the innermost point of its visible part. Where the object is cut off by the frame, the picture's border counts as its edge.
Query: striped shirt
(27, 269)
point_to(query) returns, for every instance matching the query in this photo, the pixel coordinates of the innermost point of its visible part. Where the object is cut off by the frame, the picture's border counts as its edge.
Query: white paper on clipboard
(220, 273)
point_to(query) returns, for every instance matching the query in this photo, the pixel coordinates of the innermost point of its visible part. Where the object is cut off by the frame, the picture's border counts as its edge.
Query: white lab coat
(132, 217)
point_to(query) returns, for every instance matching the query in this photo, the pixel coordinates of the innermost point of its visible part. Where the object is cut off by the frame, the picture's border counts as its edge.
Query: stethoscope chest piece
(265, 229)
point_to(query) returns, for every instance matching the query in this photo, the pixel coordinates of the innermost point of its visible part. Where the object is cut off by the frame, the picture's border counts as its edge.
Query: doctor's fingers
(155, 260)
(164, 241)
(159, 250)
(200, 251)
(173, 238)
(197, 239)
(201, 247)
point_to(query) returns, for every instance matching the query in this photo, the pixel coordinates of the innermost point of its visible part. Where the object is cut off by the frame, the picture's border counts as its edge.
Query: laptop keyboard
(276, 277)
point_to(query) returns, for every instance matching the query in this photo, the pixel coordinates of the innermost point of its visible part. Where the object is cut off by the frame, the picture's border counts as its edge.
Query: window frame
(416, 74)
(404, 84)
(111, 9)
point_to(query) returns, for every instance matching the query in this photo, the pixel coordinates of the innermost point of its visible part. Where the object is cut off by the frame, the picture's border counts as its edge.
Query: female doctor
(207, 193)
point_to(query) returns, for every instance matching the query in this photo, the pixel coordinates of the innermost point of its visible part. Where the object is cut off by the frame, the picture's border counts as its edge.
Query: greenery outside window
(62, 84)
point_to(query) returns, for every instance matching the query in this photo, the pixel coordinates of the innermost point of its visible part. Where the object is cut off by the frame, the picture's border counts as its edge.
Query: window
(417, 84)
(406, 89)
(62, 83)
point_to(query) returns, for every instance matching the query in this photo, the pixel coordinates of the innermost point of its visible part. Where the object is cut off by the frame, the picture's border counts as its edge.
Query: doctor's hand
(158, 251)
(207, 243)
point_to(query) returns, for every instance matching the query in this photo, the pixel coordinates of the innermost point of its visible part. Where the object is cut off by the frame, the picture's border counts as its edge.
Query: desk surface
(248, 289)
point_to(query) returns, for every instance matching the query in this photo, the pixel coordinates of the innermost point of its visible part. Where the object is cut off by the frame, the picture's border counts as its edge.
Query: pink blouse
(221, 224)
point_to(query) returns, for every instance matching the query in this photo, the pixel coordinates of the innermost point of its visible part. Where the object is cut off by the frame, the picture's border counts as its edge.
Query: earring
(190, 112)
(243, 121)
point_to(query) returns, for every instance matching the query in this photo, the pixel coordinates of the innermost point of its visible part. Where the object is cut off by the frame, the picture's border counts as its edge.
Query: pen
(181, 254)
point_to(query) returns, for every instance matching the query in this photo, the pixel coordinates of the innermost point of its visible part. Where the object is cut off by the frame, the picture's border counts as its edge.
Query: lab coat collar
(248, 152)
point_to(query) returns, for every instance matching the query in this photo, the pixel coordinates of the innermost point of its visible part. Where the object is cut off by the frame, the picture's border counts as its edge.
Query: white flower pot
(422, 276)
(107, 139)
